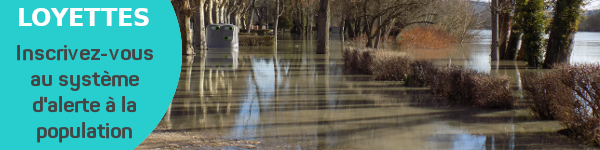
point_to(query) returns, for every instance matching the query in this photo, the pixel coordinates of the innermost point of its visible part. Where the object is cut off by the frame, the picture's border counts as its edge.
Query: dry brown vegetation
(390, 66)
(362, 39)
(247, 34)
(469, 87)
(459, 85)
(427, 37)
(543, 89)
(570, 94)
(428, 54)
(358, 60)
(258, 31)
(249, 40)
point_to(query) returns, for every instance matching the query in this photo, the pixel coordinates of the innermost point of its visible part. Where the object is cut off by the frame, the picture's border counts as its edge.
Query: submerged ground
(292, 98)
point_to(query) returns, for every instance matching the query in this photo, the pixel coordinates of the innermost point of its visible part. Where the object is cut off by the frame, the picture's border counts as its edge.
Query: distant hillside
(591, 12)
(592, 23)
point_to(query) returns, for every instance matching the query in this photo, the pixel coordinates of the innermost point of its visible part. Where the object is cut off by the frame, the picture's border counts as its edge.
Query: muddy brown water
(291, 98)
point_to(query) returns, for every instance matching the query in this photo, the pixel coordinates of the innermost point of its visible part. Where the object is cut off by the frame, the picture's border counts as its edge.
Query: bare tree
(389, 10)
(279, 9)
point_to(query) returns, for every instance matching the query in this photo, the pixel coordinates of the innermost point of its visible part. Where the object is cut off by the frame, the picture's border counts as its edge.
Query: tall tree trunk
(494, 46)
(369, 39)
(218, 11)
(189, 35)
(376, 45)
(387, 30)
(209, 10)
(215, 15)
(184, 13)
(366, 27)
(349, 28)
(199, 28)
(514, 41)
(222, 13)
(260, 18)
(252, 10)
(505, 19)
(276, 25)
(533, 31)
(562, 31)
(357, 27)
(369, 25)
(324, 23)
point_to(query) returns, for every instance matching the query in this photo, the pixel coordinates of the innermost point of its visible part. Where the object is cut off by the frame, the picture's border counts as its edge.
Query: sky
(594, 5)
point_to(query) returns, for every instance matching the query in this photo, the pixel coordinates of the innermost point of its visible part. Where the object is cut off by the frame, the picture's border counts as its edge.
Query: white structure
(222, 36)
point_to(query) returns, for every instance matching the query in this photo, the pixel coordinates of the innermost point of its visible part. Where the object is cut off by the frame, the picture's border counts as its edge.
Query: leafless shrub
(544, 91)
(581, 112)
(391, 66)
(459, 85)
(469, 87)
(439, 80)
(419, 72)
(570, 94)
(358, 60)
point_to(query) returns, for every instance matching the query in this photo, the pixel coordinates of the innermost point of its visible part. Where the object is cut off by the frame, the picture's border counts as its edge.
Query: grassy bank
(459, 85)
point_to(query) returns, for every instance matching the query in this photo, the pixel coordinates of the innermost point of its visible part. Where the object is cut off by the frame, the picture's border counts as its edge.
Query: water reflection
(288, 96)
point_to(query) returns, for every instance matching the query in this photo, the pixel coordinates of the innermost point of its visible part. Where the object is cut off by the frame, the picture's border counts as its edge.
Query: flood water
(291, 98)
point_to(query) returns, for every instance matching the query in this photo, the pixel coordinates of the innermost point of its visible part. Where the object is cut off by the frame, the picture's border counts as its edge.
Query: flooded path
(292, 98)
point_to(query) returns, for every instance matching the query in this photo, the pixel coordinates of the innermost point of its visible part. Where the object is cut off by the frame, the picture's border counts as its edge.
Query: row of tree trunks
(302, 11)
(527, 26)
(194, 15)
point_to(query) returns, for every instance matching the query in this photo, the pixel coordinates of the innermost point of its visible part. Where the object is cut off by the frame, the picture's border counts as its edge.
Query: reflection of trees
(323, 105)
(202, 120)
